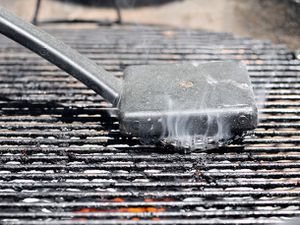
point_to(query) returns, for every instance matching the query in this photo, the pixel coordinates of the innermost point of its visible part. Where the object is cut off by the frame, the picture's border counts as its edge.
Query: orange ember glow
(130, 209)
(127, 210)
(118, 200)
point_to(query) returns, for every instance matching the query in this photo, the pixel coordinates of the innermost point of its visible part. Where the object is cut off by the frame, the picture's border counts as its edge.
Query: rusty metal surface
(63, 160)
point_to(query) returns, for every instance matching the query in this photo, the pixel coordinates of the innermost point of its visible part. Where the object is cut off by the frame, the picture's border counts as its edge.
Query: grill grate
(63, 160)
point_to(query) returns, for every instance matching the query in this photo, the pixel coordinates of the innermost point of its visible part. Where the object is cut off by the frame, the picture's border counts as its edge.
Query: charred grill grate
(63, 160)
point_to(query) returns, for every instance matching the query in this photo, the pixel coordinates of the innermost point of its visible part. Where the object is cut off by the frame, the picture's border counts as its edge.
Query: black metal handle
(61, 55)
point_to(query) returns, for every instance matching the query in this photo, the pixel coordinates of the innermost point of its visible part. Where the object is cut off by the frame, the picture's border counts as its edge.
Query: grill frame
(69, 141)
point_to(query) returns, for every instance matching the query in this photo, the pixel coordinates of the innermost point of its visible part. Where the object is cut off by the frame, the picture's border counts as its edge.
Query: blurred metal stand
(36, 12)
(116, 5)
(118, 10)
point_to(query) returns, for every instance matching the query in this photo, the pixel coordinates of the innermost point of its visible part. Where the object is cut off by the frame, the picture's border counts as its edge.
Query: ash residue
(187, 144)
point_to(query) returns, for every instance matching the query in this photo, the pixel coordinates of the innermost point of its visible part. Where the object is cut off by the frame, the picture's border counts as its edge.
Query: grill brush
(183, 105)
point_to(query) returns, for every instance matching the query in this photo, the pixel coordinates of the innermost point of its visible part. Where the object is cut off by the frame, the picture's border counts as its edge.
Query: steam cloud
(184, 132)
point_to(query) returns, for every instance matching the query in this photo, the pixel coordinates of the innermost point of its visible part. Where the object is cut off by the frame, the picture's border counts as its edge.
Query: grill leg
(38, 6)
(118, 9)
(36, 12)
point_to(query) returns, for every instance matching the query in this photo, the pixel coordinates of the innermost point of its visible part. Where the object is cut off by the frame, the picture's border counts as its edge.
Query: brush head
(209, 102)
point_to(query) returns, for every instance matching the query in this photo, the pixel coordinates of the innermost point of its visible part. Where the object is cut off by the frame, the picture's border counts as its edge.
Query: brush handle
(61, 55)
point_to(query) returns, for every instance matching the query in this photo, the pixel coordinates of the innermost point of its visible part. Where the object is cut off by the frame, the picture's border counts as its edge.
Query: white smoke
(202, 127)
